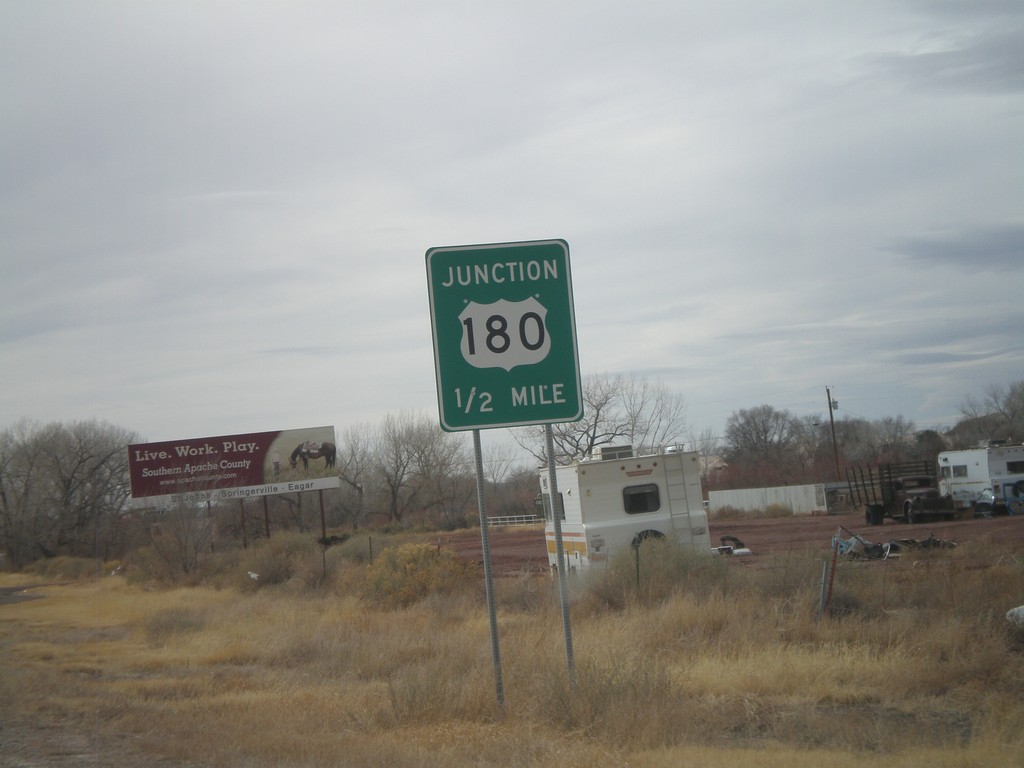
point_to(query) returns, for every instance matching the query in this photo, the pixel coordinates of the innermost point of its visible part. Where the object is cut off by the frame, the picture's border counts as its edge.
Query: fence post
(829, 576)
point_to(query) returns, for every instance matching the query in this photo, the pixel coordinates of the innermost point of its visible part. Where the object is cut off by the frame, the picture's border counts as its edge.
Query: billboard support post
(241, 512)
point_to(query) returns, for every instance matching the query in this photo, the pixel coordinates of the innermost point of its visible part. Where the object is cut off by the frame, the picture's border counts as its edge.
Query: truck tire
(983, 509)
(874, 515)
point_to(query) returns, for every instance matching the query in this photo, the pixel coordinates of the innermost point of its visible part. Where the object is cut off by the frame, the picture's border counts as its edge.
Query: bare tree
(812, 448)
(764, 440)
(998, 416)
(355, 468)
(444, 477)
(499, 458)
(616, 409)
(896, 435)
(759, 433)
(765, 446)
(181, 538)
(62, 488)
(393, 461)
(516, 494)
(709, 446)
(655, 416)
(1012, 410)
(296, 515)
(22, 504)
(858, 440)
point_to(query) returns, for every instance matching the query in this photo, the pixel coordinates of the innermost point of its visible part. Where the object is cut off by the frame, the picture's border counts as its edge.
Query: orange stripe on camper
(571, 543)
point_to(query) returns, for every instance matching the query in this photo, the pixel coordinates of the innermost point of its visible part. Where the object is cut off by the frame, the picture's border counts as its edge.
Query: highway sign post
(505, 356)
(504, 334)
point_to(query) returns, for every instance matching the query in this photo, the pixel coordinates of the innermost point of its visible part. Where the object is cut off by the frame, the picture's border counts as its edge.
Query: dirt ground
(518, 550)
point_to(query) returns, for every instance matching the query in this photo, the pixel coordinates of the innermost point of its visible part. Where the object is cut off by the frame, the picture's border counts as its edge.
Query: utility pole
(832, 422)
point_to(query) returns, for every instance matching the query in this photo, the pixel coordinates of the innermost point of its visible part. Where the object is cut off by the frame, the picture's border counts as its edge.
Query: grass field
(337, 661)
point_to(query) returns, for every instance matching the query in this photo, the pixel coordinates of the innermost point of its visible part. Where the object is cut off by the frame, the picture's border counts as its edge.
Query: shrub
(404, 575)
(612, 699)
(734, 513)
(360, 549)
(145, 565)
(65, 567)
(526, 593)
(277, 559)
(654, 572)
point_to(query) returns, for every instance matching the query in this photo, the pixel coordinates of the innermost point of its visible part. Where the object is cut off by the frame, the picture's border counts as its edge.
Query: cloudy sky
(213, 215)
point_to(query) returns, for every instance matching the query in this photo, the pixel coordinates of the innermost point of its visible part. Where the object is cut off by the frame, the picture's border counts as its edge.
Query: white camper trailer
(617, 500)
(987, 478)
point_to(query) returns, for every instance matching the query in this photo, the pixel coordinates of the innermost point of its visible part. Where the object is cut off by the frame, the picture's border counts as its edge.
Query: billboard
(232, 466)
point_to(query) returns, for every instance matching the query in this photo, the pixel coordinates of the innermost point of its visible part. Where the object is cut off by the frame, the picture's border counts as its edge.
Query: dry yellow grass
(698, 666)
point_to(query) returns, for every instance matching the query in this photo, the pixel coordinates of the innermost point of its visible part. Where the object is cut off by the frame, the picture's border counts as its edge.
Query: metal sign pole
(499, 689)
(504, 339)
(563, 581)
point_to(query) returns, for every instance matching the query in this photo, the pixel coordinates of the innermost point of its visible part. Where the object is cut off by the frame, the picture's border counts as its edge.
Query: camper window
(637, 499)
(960, 470)
(1015, 467)
(547, 506)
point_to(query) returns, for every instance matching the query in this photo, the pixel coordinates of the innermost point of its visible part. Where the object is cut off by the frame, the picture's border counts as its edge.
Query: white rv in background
(988, 478)
(616, 500)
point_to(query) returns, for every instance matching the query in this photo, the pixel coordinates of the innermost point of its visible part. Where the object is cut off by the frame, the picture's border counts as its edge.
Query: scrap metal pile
(731, 546)
(857, 547)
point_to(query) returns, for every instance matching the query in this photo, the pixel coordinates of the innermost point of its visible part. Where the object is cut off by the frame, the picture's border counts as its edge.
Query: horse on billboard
(312, 450)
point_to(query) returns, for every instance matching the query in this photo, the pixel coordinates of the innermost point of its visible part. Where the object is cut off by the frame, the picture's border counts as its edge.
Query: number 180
(497, 340)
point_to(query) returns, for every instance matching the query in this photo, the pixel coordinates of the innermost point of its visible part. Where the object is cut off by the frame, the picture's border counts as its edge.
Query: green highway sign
(504, 335)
